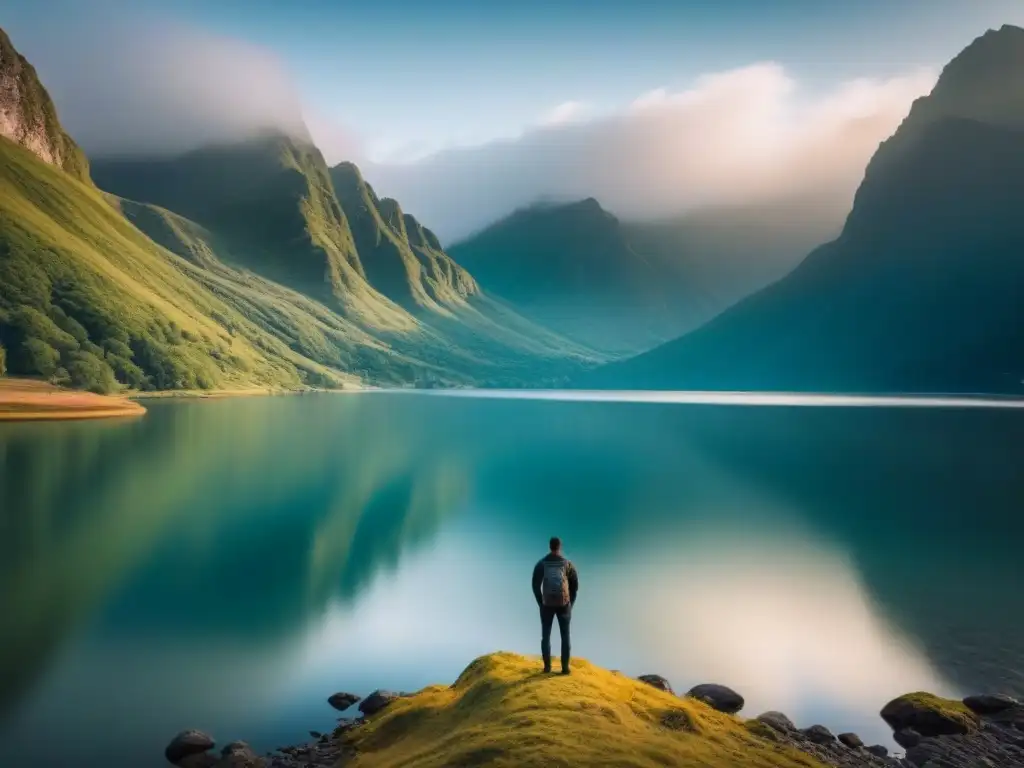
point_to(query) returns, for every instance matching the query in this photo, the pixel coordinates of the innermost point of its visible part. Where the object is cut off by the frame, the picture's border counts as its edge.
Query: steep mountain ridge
(921, 290)
(88, 300)
(28, 117)
(236, 268)
(272, 202)
(411, 270)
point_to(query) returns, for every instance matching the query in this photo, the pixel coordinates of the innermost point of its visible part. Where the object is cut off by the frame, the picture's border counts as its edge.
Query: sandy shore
(28, 400)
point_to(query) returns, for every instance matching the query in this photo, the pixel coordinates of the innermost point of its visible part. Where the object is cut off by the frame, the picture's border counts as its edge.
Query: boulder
(777, 721)
(315, 734)
(187, 743)
(907, 738)
(657, 681)
(819, 734)
(852, 740)
(878, 750)
(238, 754)
(376, 701)
(929, 715)
(718, 696)
(990, 704)
(342, 701)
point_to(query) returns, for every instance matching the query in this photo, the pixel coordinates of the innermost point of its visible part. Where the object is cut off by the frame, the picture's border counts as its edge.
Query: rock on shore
(983, 730)
(506, 691)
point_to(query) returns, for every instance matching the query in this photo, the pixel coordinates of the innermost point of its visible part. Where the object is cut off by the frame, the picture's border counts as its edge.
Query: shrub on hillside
(37, 357)
(61, 378)
(89, 372)
(126, 371)
(30, 323)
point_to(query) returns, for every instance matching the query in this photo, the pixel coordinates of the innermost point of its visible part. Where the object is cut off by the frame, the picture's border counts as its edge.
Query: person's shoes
(547, 670)
(565, 670)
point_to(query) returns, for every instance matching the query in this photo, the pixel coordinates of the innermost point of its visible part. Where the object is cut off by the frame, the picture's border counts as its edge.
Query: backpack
(554, 587)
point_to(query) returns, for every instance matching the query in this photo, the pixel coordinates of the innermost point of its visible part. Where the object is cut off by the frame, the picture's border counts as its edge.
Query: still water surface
(227, 565)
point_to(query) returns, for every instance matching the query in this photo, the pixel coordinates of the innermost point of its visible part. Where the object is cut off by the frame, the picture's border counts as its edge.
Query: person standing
(555, 584)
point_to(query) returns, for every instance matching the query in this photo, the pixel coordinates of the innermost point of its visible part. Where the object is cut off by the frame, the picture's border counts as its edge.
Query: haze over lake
(227, 565)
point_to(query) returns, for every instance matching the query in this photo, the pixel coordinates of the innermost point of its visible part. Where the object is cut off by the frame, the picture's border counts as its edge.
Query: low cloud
(566, 112)
(736, 138)
(142, 88)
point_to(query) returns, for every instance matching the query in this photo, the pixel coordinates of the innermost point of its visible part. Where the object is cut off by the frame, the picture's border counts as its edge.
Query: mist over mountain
(742, 138)
(130, 85)
(571, 267)
(750, 135)
(921, 290)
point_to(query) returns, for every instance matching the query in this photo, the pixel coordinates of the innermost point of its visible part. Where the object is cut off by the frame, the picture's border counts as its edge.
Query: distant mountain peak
(28, 117)
(984, 82)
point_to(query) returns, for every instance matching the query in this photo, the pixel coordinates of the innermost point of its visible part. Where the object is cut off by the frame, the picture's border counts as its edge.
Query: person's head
(555, 544)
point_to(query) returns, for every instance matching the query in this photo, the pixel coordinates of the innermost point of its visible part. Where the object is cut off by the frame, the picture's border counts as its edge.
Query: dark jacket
(570, 573)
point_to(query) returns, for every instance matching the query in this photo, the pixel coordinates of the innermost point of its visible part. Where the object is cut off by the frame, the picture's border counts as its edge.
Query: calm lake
(227, 565)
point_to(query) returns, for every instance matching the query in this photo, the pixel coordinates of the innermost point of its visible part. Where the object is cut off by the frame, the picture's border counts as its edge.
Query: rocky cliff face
(28, 117)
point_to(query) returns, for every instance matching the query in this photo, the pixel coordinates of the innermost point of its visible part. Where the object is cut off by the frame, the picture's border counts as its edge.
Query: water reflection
(228, 564)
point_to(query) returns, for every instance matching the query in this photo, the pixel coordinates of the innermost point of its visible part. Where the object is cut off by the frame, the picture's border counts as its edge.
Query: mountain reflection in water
(227, 565)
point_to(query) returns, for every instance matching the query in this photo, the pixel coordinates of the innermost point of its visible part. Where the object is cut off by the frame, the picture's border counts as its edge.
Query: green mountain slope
(402, 259)
(438, 329)
(921, 291)
(572, 268)
(86, 298)
(237, 269)
(271, 202)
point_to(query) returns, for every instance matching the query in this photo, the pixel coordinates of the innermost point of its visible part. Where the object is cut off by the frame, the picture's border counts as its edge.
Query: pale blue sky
(437, 73)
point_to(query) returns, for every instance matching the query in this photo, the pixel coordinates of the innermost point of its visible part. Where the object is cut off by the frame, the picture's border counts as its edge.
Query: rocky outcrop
(851, 740)
(819, 734)
(187, 743)
(657, 681)
(983, 730)
(720, 697)
(342, 701)
(238, 754)
(818, 742)
(929, 715)
(907, 737)
(991, 704)
(376, 701)
(28, 117)
(777, 721)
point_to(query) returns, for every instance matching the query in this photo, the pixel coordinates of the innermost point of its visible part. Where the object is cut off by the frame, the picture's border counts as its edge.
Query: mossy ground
(951, 709)
(503, 711)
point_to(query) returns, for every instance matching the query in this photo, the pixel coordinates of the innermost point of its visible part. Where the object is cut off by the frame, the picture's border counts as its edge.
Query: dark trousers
(547, 618)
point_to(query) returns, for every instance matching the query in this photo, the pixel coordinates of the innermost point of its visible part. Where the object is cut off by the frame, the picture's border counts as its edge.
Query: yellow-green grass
(503, 711)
